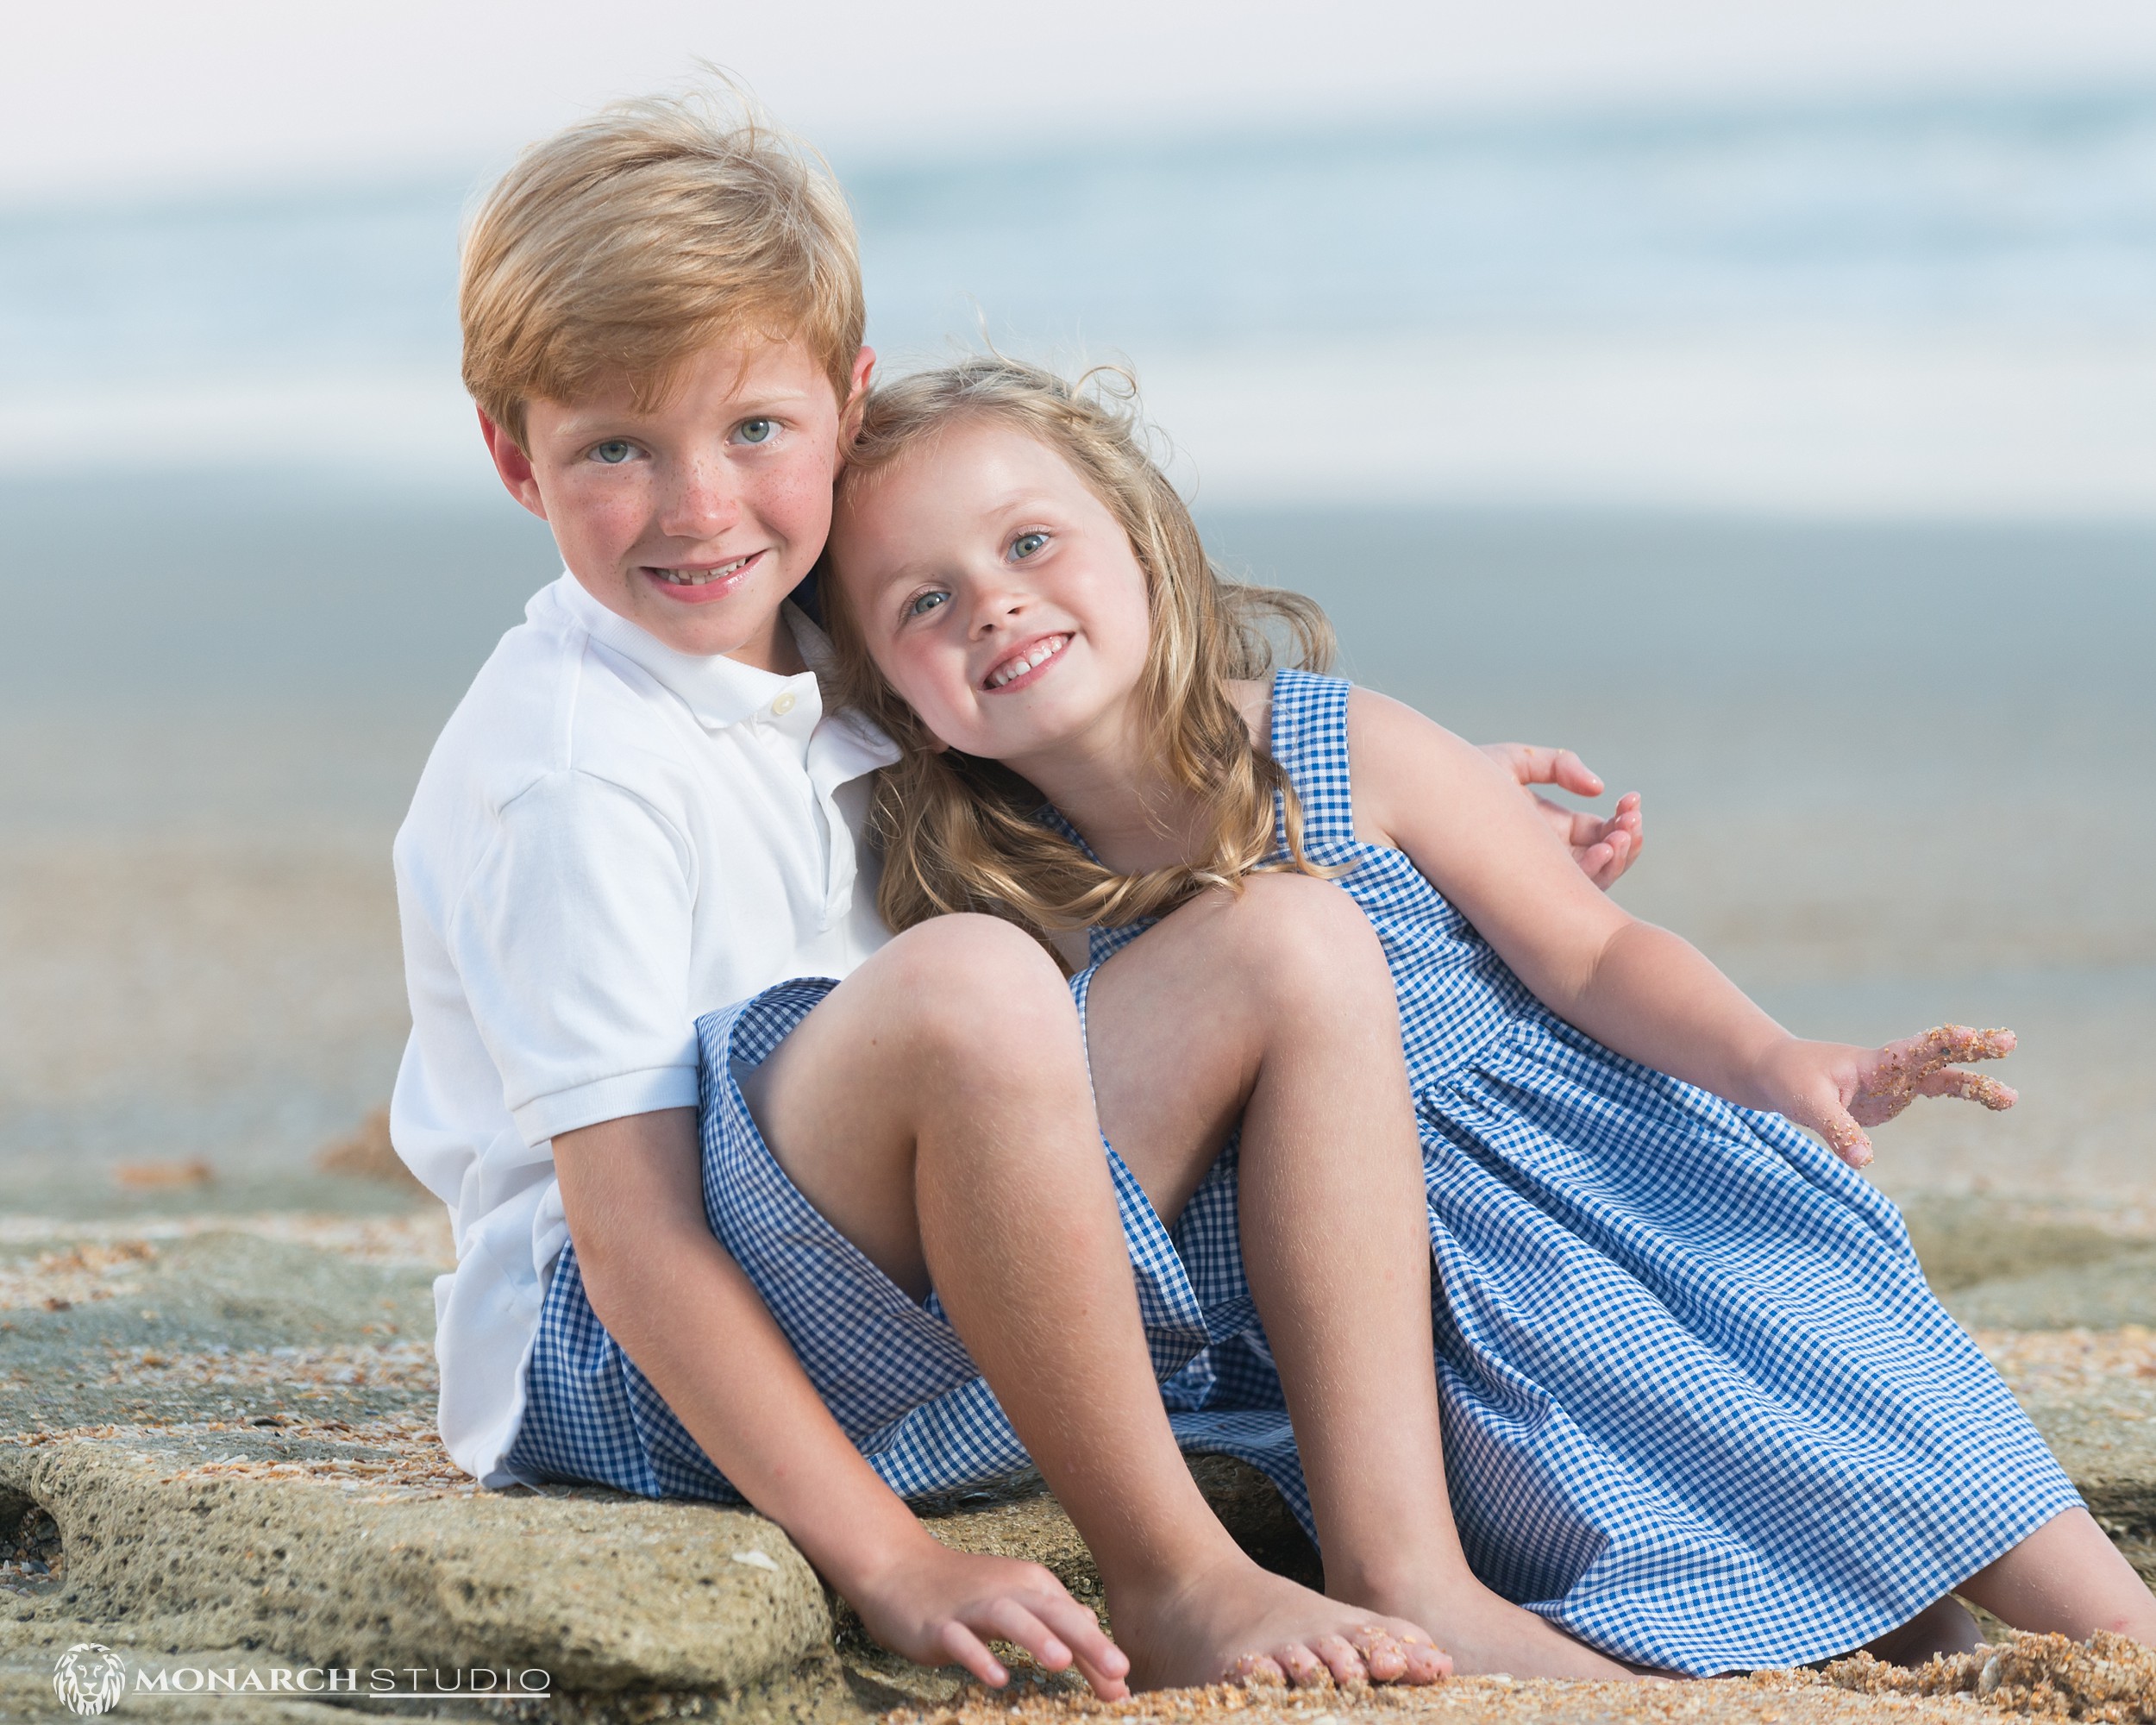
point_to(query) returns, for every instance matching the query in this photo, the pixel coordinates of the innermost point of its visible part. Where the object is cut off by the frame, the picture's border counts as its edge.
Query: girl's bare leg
(1278, 1006)
(2066, 1578)
(1942, 1628)
(936, 1108)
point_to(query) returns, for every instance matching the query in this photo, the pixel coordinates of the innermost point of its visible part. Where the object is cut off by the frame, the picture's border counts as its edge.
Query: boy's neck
(775, 650)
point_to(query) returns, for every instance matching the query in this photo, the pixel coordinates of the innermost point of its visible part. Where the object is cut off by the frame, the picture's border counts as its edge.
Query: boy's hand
(938, 1607)
(1604, 849)
(1838, 1090)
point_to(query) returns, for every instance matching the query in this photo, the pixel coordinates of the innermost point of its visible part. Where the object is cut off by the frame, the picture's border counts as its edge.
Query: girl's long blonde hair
(960, 833)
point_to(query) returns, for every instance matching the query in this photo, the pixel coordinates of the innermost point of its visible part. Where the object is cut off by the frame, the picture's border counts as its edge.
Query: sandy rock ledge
(217, 1445)
(602, 1593)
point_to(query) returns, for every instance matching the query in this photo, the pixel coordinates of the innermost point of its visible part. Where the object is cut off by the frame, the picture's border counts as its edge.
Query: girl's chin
(1025, 741)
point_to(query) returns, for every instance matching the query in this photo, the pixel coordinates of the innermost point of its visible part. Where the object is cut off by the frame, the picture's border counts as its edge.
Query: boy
(641, 812)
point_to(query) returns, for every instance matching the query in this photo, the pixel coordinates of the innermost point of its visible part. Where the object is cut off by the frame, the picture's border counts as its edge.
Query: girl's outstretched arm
(1639, 989)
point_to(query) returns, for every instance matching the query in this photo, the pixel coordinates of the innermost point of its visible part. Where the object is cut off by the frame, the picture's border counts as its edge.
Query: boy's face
(695, 518)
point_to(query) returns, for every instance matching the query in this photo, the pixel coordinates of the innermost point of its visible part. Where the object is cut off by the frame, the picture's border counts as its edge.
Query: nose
(997, 607)
(702, 500)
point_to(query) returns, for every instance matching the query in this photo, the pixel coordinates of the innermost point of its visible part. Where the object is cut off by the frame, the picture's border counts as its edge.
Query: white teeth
(1017, 667)
(697, 578)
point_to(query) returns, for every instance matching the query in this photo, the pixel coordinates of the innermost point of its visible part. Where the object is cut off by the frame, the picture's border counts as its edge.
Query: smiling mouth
(701, 578)
(1024, 662)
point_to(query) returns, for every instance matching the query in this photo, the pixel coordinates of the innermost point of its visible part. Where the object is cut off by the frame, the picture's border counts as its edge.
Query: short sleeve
(573, 942)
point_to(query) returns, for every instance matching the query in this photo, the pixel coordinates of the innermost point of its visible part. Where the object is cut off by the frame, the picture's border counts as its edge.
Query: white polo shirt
(610, 839)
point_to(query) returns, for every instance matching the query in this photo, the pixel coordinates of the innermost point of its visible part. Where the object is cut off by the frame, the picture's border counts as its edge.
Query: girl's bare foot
(1487, 1634)
(1238, 1622)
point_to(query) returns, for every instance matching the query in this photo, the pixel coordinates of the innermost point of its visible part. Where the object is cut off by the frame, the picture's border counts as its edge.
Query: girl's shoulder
(1253, 697)
(1362, 763)
(1290, 711)
(1405, 768)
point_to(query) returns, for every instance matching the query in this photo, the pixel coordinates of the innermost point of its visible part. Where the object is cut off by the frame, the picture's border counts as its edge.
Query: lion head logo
(90, 1678)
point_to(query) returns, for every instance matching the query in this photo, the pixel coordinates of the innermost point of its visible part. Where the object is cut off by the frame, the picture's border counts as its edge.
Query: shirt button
(783, 704)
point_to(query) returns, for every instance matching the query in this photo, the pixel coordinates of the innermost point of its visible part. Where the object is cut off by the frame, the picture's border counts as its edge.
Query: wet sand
(1882, 769)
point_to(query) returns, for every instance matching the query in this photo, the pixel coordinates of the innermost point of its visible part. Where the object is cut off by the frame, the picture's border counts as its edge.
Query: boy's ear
(850, 413)
(513, 465)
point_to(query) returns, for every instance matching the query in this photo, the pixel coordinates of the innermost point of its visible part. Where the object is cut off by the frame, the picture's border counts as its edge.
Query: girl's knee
(966, 945)
(970, 983)
(1307, 939)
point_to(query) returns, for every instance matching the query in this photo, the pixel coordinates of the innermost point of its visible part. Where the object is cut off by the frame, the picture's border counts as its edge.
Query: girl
(1700, 1408)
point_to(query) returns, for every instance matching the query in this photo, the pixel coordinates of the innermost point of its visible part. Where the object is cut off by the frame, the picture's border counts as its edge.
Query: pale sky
(106, 97)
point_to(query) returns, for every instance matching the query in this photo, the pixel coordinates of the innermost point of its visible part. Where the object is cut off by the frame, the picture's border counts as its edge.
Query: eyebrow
(912, 571)
(1013, 501)
(628, 420)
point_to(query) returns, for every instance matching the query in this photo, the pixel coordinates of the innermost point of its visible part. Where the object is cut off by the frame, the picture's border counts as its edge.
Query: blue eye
(614, 451)
(921, 604)
(757, 430)
(1027, 543)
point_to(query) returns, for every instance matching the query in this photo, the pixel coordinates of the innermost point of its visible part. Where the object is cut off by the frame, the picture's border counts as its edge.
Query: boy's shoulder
(550, 699)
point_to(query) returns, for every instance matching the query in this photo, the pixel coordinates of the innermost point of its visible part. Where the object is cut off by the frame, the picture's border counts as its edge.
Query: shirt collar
(719, 691)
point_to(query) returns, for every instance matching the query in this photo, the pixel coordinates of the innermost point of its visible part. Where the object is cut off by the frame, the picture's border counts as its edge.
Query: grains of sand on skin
(1944, 1045)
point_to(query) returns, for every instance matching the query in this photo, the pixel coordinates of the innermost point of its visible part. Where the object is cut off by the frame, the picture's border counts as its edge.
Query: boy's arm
(1634, 987)
(572, 945)
(668, 1291)
(1603, 846)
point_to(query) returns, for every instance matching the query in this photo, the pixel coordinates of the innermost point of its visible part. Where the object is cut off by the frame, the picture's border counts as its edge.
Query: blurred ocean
(1799, 466)
(1940, 306)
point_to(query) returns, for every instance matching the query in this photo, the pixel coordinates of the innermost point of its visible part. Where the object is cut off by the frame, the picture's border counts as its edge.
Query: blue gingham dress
(1699, 1407)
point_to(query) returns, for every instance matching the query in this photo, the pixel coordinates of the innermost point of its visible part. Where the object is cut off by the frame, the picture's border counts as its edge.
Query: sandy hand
(940, 1607)
(1858, 1087)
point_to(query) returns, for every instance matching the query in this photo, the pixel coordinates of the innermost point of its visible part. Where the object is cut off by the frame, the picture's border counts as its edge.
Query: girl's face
(996, 592)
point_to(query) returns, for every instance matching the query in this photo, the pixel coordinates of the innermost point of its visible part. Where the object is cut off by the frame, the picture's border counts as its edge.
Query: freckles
(615, 519)
(800, 499)
(803, 494)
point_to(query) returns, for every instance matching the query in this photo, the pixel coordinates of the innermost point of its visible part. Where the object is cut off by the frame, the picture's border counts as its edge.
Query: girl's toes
(1382, 1656)
(1342, 1660)
(1260, 1669)
(1404, 1655)
(1304, 1668)
(1426, 1661)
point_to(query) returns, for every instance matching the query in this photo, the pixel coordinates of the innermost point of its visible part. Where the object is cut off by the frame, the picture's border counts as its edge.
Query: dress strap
(1310, 739)
(1101, 944)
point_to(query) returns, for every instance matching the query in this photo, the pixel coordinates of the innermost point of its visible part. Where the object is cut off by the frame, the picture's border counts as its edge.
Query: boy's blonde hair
(963, 834)
(624, 245)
